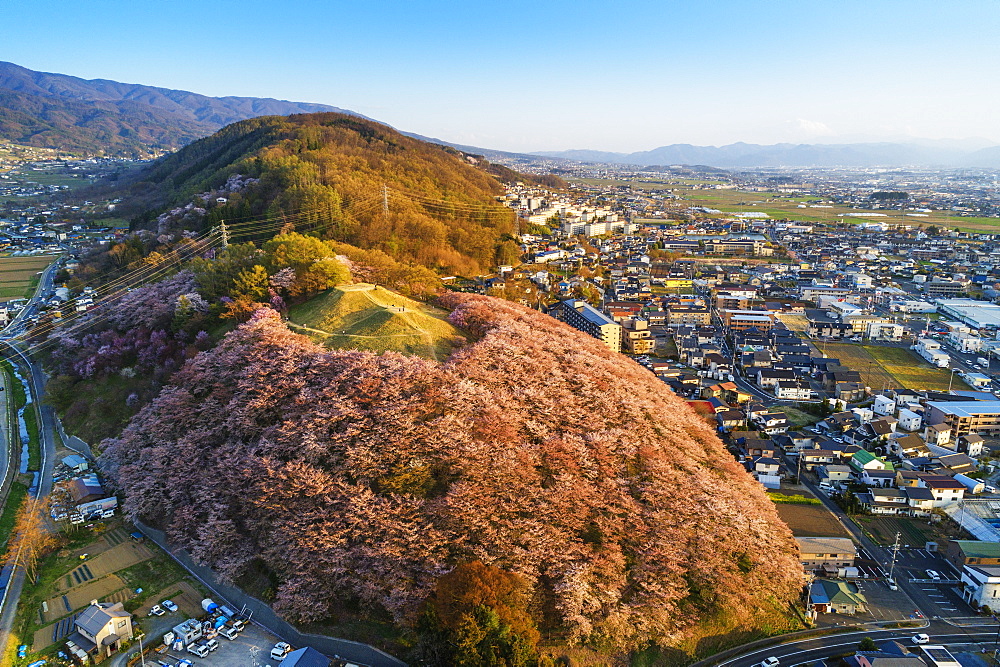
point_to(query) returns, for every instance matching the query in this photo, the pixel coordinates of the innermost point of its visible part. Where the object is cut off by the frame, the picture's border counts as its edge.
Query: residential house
(884, 501)
(884, 405)
(834, 473)
(102, 629)
(730, 419)
(826, 554)
(792, 390)
(816, 457)
(849, 392)
(909, 420)
(878, 478)
(972, 444)
(955, 464)
(836, 597)
(769, 378)
(946, 490)
(767, 471)
(937, 434)
(865, 460)
(920, 500)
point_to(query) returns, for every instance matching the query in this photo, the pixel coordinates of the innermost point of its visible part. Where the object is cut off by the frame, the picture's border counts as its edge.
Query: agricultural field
(890, 367)
(782, 205)
(794, 321)
(809, 520)
(19, 276)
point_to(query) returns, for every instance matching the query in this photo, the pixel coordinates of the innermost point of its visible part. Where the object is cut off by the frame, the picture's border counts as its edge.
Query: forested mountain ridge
(93, 127)
(573, 499)
(214, 112)
(345, 178)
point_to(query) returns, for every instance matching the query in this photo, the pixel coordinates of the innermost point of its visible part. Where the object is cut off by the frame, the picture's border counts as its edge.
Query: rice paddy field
(797, 207)
(19, 276)
(891, 367)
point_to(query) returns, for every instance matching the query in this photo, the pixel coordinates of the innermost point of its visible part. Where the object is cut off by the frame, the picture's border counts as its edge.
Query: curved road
(808, 650)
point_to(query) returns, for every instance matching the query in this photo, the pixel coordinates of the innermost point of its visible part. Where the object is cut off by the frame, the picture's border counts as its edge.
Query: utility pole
(895, 552)
(225, 234)
(385, 200)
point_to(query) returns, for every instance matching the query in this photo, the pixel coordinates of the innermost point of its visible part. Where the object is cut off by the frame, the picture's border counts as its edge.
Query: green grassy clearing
(367, 317)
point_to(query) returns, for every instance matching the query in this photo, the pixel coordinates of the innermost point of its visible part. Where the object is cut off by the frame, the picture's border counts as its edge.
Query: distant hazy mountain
(796, 155)
(61, 111)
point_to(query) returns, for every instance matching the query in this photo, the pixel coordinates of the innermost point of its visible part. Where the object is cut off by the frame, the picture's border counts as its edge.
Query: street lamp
(952, 378)
(142, 656)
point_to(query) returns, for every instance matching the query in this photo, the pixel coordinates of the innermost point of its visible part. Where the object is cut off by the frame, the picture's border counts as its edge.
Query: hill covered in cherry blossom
(558, 492)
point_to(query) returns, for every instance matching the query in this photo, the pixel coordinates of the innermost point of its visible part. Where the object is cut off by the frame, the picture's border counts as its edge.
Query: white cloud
(812, 127)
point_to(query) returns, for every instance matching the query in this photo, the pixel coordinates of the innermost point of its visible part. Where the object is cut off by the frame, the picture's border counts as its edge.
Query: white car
(169, 605)
(280, 650)
(156, 610)
(769, 662)
(920, 639)
(931, 574)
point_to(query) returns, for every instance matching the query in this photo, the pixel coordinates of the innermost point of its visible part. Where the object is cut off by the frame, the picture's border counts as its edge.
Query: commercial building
(964, 417)
(976, 314)
(741, 320)
(581, 315)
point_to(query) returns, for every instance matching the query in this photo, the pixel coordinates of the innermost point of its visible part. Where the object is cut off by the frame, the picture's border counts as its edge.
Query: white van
(198, 650)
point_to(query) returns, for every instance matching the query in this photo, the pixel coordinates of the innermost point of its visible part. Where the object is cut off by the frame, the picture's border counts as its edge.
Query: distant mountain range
(101, 116)
(796, 155)
(98, 115)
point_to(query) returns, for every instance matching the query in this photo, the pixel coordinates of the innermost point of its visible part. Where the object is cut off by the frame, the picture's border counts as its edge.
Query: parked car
(931, 574)
(156, 610)
(169, 605)
(920, 639)
(990, 489)
(280, 650)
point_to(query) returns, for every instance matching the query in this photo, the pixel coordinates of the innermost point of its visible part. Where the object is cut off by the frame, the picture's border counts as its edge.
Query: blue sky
(556, 75)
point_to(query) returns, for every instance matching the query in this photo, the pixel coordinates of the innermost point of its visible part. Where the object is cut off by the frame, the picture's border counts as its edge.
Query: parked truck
(973, 485)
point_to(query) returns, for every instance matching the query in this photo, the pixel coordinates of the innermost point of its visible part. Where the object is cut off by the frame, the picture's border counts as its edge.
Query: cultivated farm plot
(914, 532)
(810, 520)
(794, 321)
(858, 358)
(912, 371)
(891, 367)
(19, 275)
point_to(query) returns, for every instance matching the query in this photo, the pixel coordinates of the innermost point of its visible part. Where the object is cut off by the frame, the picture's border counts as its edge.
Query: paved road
(808, 650)
(13, 579)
